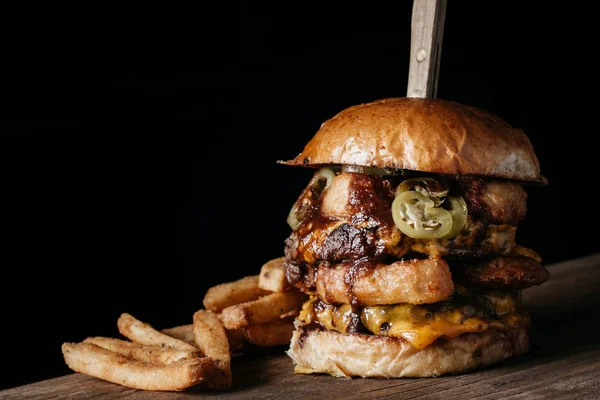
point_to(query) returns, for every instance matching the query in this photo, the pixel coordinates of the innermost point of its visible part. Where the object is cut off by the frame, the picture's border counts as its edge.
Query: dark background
(139, 146)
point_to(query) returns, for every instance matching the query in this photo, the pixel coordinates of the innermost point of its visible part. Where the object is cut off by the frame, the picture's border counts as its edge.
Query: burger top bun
(429, 135)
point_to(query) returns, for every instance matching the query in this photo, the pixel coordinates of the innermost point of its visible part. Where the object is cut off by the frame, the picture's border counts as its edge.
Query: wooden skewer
(427, 31)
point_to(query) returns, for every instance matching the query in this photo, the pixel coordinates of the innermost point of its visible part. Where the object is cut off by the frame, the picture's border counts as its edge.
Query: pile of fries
(256, 310)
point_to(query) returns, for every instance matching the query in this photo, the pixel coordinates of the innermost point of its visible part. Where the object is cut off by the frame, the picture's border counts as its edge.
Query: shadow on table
(255, 367)
(568, 332)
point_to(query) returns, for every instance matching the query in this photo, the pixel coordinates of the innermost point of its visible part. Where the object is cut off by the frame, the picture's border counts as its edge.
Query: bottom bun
(370, 356)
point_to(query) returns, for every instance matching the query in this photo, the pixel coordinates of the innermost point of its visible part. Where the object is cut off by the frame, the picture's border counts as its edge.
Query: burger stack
(405, 239)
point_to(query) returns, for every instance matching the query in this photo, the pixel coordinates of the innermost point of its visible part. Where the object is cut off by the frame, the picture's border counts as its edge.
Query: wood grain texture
(427, 30)
(564, 361)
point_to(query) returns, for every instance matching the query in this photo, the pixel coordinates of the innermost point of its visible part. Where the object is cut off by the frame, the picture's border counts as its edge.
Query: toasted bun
(430, 135)
(369, 356)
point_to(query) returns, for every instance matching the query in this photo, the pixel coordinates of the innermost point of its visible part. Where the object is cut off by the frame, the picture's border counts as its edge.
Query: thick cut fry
(210, 335)
(294, 313)
(186, 333)
(181, 332)
(236, 340)
(93, 360)
(211, 339)
(150, 354)
(143, 333)
(262, 310)
(227, 294)
(275, 333)
(272, 276)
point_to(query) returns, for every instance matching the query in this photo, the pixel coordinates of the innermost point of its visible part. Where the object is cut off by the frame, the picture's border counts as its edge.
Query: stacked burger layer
(405, 240)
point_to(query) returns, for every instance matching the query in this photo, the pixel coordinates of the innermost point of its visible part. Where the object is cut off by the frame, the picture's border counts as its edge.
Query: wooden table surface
(564, 361)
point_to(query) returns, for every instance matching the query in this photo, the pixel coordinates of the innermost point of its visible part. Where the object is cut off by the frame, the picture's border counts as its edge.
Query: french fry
(181, 332)
(236, 340)
(227, 294)
(262, 310)
(259, 309)
(272, 276)
(93, 360)
(186, 333)
(150, 354)
(274, 333)
(211, 339)
(293, 313)
(143, 333)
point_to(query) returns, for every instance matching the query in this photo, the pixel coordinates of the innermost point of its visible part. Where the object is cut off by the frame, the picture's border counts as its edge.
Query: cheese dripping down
(422, 325)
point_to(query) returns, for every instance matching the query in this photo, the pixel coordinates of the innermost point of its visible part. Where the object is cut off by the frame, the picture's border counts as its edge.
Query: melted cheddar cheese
(421, 325)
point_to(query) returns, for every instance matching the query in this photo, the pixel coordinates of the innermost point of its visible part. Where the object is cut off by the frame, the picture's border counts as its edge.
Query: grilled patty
(501, 273)
(414, 281)
(352, 219)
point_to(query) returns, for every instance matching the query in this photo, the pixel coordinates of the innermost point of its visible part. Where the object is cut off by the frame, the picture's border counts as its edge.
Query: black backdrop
(139, 155)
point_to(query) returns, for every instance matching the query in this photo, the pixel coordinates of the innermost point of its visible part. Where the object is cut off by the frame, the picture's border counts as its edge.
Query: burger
(404, 240)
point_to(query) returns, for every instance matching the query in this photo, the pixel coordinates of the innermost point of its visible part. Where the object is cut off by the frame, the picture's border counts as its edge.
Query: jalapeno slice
(416, 216)
(422, 209)
(320, 181)
(426, 186)
(458, 210)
